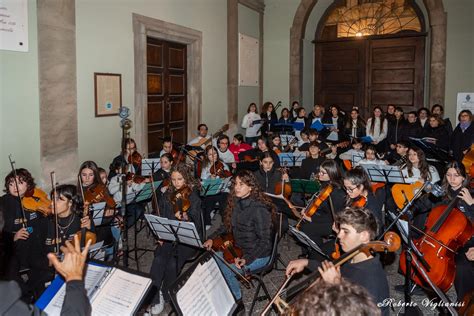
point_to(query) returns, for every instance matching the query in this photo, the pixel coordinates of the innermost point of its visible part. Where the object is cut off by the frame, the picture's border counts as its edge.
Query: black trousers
(464, 279)
(210, 203)
(166, 266)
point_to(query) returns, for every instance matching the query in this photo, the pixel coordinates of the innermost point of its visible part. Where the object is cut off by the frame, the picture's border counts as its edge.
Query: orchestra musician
(23, 232)
(355, 125)
(249, 217)
(377, 128)
(316, 114)
(263, 146)
(163, 174)
(412, 127)
(276, 144)
(286, 120)
(436, 131)
(395, 129)
(180, 202)
(269, 118)
(213, 168)
(129, 158)
(223, 150)
(251, 122)
(370, 157)
(418, 169)
(355, 154)
(70, 220)
(355, 226)
(359, 193)
(399, 157)
(438, 109)
(202, 136)
(336, 133)
(319, 225)
(94, 192)
(300, 119)
(423, 114)
(295, 105)
(463, 135)
(238, 146)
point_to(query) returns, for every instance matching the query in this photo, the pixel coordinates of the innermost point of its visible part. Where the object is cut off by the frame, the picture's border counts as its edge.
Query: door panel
(167, 99)
(369, 72)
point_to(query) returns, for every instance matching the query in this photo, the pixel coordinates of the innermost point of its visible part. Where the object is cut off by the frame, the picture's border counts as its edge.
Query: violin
(218, 170)
(282, 187)
(135, 159)
(178, 156)
(314, 205)
(180, 200)
(359, 202)
(98, 193)
(84, 235)
(36, 200)
(135, 178)
(226, 245)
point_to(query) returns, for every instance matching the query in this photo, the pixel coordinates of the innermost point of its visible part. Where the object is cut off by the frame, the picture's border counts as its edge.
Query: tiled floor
(289, 250)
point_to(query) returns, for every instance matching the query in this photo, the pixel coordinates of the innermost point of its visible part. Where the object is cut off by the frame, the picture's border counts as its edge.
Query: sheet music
(402, 226)
(205, 292)
(287, 139)
(120, 294)
(97, 252)
(187, 233)
(149, 166)
(304, 239)
(93, 277)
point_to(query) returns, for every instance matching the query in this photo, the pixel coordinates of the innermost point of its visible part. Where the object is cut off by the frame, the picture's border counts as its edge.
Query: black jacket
(411, 130)
(252, 228)
(308, 167)
(440, 134)
(461, 140)
(340, 126)
(75, 302)
(395, 131)
(268, 180)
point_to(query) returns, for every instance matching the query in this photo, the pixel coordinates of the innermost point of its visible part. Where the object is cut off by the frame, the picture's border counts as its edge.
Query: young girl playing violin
(94, 192)
(129, 158)
(23, 230)
(163, 174)
(249, 218)
(359, 193)
(180, 202)
(319, 225)
(214, 168)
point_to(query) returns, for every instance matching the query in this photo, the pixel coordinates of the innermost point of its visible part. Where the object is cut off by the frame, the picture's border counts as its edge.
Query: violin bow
(12, 164)
(237, 273)
(56, 223)
(155, 199)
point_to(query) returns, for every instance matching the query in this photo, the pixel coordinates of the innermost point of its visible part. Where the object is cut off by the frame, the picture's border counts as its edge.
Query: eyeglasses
(322, 172)
(350, 190)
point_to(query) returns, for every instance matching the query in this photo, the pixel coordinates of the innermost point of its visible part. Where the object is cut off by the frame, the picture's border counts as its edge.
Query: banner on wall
(465, 101)
(14, 25)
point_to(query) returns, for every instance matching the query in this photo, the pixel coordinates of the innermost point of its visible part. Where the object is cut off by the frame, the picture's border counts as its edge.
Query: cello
(447, 230)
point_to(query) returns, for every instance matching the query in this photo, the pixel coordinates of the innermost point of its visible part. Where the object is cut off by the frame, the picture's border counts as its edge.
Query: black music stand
(150, 166)
(308, 242)
(291, 159)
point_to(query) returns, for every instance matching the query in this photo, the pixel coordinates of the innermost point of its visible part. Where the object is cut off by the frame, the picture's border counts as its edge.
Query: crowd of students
(254, 208)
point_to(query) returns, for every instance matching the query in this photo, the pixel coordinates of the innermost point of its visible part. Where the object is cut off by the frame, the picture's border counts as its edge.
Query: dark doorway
(167, 98)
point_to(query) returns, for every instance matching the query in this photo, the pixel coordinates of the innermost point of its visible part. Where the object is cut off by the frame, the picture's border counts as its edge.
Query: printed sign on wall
(14, 25)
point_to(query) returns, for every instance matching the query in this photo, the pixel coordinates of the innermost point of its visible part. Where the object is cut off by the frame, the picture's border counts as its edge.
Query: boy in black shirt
(355, 226)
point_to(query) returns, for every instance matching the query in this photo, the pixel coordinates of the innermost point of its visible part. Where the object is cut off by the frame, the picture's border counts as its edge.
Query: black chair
(258, 275)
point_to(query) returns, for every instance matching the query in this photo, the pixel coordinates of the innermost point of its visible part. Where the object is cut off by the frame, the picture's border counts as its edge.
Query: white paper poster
(465, 101)
(14, 25)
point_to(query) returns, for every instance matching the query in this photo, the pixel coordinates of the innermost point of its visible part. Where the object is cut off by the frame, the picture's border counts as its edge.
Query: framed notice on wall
(108, 93)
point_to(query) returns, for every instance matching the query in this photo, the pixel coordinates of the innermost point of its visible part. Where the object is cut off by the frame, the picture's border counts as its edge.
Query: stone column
(57, 89)
(232, 64)
(438, 23)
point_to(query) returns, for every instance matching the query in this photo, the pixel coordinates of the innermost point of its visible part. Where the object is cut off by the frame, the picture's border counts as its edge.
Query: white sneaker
(156, 309)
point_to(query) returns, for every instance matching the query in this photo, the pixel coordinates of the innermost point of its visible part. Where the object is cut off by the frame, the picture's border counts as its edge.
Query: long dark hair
(334, 172)
(422, 164)
(372, 121)
(358, 176)
(256, 194)
(206, 161)
(89, 164)
(461, 171)
(187, 174)
(69, 191)
(360, 123)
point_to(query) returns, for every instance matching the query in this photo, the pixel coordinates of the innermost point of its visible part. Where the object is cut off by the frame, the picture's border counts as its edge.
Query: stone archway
(437, 19)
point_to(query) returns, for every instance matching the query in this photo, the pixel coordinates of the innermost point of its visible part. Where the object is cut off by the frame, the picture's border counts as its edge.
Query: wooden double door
(167, 98)
(370, 72)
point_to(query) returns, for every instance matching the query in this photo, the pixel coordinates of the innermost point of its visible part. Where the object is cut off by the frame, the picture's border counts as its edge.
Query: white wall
(104, 37)
(276, 52)
(248, 24)
(19, 104)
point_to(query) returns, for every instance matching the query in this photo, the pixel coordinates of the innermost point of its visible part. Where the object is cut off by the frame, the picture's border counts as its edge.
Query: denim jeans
(232, 279)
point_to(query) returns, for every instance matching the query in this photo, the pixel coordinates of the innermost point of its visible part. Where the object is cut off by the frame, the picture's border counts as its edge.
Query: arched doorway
(370, 53)
(437, 21)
